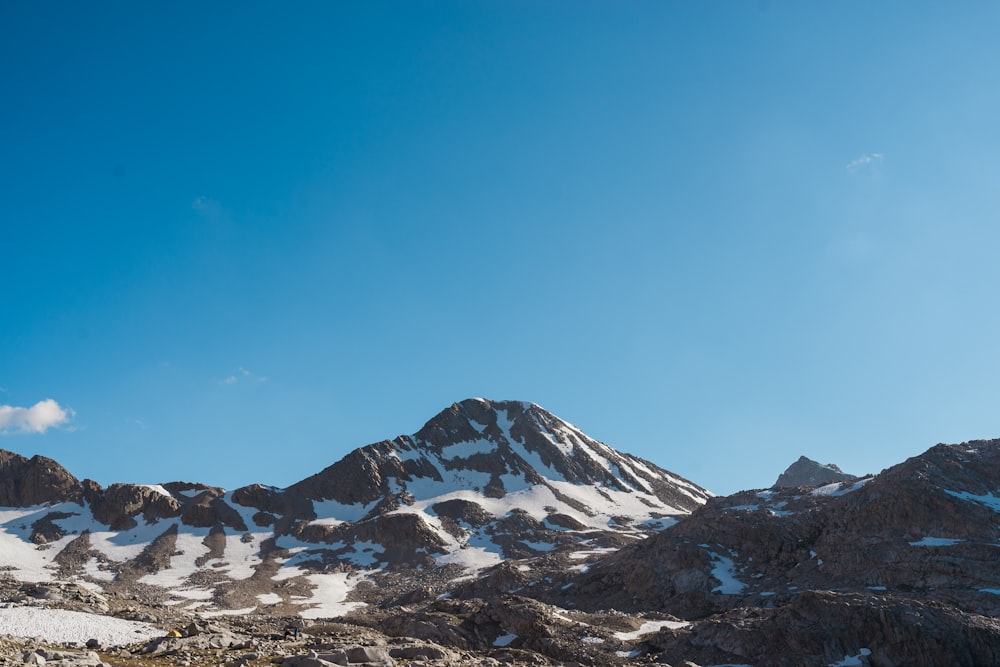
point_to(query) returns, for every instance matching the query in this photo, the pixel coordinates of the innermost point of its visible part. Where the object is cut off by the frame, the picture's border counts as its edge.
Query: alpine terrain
(499, 534)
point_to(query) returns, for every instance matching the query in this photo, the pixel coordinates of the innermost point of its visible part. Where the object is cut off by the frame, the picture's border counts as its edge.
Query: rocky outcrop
(119, 504)
(361, 477)
(806, 472)
(25, 482)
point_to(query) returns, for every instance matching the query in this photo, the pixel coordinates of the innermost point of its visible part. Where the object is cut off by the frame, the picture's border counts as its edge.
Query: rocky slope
(899, 568)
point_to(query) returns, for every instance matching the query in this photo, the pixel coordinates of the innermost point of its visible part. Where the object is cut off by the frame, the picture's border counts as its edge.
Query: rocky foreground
(444, 633)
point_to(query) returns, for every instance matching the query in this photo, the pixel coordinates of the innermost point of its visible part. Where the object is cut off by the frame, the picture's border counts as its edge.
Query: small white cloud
(864, 160)
(242, 375)
(39, 418)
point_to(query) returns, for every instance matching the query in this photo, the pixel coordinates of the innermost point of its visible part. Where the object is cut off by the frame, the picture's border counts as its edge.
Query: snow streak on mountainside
(481, 482)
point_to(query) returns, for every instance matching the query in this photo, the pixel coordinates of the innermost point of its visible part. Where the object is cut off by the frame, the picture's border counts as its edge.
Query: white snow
(189, 547)
(840, 488)
(935, 542)
(59, 625)
(989, 500)
(26, 560)
(226, 612)
(471, 558)
(329, 598)
(592, 640)
(331, 509)
(650, 626)
(587, 553)
(852, 660)
(723, 571)
(504, 640)
(464, 450)
(93, 569)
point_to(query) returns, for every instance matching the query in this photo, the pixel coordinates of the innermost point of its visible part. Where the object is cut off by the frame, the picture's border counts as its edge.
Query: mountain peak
(806, 472)
(25, 482)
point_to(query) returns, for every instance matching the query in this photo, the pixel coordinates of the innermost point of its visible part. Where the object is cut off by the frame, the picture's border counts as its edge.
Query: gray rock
(806, 472)
(369, 654)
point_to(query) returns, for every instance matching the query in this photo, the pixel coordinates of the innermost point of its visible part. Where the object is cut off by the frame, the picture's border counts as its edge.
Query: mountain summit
(806, 472)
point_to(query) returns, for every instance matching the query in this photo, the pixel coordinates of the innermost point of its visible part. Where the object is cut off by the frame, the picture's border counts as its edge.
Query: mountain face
(898, 568)
(806, 472)
(500, 534)
(481, 482)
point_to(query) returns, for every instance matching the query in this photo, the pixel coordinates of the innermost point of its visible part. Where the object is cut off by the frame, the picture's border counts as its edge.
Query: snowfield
(59, 625)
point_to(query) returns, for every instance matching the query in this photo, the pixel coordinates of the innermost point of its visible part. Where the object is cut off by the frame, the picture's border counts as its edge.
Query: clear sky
(238, 240)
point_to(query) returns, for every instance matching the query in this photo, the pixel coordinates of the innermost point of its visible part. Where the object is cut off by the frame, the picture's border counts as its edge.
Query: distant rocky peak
(806, 472)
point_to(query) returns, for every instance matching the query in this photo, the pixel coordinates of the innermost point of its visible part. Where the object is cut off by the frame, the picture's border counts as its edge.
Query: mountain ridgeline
(481, 482)
(500, 532)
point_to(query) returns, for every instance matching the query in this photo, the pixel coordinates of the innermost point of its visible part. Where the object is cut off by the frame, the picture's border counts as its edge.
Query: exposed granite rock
(119, 504)
(25, 482)
(806, 472)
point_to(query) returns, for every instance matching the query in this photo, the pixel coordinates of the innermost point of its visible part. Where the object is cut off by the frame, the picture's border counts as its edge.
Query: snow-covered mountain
(481, 482)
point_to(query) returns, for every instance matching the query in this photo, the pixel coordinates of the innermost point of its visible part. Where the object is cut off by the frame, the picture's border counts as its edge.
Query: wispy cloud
(242, 375)
(208, 206)
(39, 418)
(136, 422)
(864, 161)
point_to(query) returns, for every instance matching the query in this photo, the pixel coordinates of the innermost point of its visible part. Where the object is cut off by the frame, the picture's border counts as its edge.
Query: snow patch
(226, 612)
(722, 570)
(60, 625)
(649, 627)
(853, 660)
(329, 599)
(935, 542)
(989, 500)
(464, 450)
(840, 488)
(504, 640)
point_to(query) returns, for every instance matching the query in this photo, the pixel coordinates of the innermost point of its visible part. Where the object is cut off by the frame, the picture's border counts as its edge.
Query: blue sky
(240, 240)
